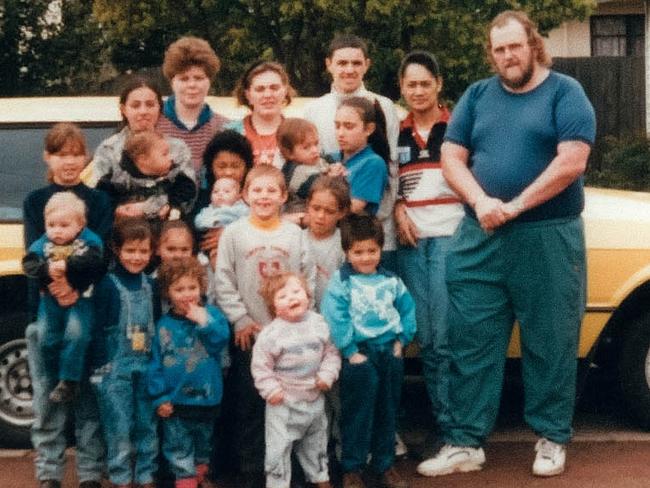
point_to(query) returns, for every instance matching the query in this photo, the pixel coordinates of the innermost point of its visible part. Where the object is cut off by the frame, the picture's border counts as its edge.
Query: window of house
(617, 35)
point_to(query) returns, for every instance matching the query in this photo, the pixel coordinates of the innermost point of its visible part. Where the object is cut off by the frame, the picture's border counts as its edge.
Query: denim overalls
(127, 412)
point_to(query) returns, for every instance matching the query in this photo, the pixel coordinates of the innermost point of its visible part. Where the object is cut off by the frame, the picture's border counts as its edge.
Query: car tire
(634, 370)
(16, 412)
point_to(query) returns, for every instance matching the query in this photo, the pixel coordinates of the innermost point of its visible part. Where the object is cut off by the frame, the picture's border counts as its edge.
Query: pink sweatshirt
(290, 356)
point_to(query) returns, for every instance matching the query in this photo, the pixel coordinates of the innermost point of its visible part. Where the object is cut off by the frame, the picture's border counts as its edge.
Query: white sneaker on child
(453, 459)
(550, 458)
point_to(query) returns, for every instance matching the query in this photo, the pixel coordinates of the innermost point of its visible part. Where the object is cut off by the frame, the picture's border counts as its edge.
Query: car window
(21, 162)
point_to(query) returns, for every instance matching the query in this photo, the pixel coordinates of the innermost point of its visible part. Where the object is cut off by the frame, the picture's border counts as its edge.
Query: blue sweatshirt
(374, 308)
(185, 367)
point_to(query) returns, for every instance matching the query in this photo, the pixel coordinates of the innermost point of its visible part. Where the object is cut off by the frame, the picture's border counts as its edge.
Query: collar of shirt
(169, 110)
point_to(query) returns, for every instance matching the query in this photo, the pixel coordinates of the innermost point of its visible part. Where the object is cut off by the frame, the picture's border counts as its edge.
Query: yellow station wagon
(615, 331)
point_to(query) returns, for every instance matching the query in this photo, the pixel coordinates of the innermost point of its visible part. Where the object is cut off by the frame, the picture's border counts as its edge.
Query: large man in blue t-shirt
(515, 150)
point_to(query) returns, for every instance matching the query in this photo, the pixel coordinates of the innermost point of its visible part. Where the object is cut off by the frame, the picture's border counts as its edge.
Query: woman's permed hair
(176, 269)
(128, 229)
(65, 135)
(262, 170)
(187, 52)
(338, 186)
(230, 141)
(360, 227)
(370, 112)
(272, 284)
(68, 201)
(257, 68)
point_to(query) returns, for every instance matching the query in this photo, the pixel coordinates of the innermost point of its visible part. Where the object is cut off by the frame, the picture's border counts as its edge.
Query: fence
(616, 88)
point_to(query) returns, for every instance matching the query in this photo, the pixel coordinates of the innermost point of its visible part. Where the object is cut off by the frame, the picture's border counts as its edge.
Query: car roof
(48, 110)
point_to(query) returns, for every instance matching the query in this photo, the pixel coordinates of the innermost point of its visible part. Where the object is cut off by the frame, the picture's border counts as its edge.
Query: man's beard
(520, 82)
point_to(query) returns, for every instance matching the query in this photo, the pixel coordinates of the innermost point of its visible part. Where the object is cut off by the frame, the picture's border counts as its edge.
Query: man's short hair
(360, 227)
(535, 39)
(343, 40)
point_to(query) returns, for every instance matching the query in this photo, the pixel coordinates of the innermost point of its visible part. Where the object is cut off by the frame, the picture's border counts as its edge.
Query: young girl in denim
(185, 371)
(65, 156)
(124, 329)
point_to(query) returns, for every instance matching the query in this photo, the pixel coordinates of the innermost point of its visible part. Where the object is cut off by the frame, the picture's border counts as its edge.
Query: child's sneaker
(550, 458)
(453, 459)
(63, 392)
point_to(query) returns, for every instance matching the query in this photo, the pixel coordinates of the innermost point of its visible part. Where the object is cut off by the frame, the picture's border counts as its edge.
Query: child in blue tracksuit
(124, 330)
(371, 316)
(185, 371)
(70, 251)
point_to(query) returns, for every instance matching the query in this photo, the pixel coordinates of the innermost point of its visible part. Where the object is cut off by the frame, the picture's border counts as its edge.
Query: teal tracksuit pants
(532, 272)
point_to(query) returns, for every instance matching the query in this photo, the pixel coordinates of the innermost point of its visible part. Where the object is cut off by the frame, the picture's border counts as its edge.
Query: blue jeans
(129, 420)
(48, 430)
(186, 444)
(422, 269)
(66, 334)
(370, 396)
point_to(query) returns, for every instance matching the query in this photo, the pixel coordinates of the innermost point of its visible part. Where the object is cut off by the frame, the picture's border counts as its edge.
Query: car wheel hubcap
(15, 385)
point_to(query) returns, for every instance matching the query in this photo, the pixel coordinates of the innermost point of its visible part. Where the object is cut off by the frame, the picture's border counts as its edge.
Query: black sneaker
(63, 392)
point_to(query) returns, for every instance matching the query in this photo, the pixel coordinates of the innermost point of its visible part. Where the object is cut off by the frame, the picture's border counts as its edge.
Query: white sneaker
(453, 459)
(550, 458)
(400, 448)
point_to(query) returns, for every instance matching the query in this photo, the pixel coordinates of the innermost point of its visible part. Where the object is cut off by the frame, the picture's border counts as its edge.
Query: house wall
(572, 39)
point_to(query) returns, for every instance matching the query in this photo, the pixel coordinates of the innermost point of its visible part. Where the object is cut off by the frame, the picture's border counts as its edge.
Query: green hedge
(621, 162)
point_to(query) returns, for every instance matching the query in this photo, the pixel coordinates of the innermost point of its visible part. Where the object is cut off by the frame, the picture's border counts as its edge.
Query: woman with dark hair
(140, 106)
(265, 89)
(427, 213)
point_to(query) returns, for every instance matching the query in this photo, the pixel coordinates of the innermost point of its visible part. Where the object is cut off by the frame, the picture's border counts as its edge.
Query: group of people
(243, 290)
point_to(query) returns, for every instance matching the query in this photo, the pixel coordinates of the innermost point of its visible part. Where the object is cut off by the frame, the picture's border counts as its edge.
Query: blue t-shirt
(368, 177)
(513, 137)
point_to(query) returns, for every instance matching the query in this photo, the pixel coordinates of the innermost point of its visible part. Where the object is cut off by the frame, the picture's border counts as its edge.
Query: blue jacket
(375, 308)
(185, 367)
